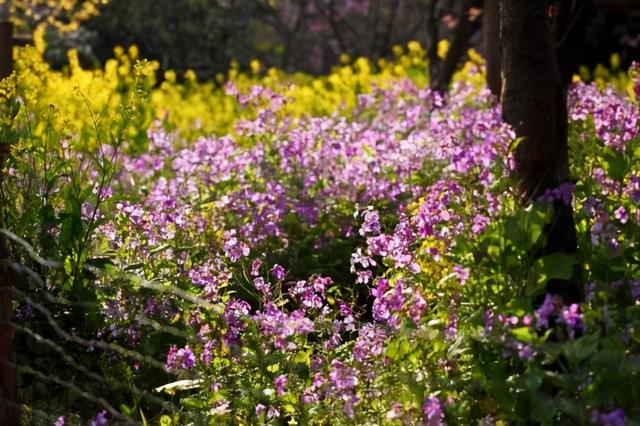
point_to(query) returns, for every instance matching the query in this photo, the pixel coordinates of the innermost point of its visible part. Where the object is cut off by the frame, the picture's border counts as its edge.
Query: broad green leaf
(615, 164)
(557, 265)
(579, 349)
(543, 408)
(524, 334)
(533, 377)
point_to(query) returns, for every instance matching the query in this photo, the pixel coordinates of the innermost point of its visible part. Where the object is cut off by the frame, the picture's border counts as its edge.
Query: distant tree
(491, 45)
(294, 35)
(310, 35)
(66, 15)
(464, 18)
(201, 35)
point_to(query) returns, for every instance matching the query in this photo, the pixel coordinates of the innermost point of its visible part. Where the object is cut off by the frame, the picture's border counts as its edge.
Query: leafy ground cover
(339, 250)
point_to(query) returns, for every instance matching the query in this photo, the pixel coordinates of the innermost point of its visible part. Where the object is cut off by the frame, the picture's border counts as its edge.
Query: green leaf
(615, 164)
(192, 402)
(67, 265)
(302, 357)
(533, 377)
(543, 408)
(398, 349)
(573, 409)
(525, 228)
(144, 419)
(557, 265)
(524, 334)
(579, 349)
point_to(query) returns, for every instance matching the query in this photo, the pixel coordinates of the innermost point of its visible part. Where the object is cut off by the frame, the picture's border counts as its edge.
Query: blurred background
(294, 35)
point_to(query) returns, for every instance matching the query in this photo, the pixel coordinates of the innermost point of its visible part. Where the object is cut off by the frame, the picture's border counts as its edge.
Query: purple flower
(255, 267)
(370, 342)
(182, 357)
(59, 421)
(451, 329)
(260, 408)
(634, 72)
(563, 192)
(207, 352)
(621, 214)
(462, 273)
(342, 377)
(614, 418)
(262, 286)
(275, 323)
(488, 320)
(234, 248)
(544, 312)
(278, 272)
(371, 223)
(480, 222)
(100, 419)
(273, 412)
(432, 409)
(233, 315)
(525, 352)
(280, 383)
(573, 318)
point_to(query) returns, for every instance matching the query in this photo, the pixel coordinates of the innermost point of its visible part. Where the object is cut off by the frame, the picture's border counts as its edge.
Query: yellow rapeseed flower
(443, 48)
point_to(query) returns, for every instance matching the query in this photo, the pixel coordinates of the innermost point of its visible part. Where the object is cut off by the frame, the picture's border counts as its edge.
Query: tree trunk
(491, 37)
(8, 389)
(8, 386)
(433, 36)
(6, 41)
(534, 102)
(465, 28)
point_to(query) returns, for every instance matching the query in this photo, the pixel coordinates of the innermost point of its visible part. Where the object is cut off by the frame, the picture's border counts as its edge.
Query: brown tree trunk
(534, 102)
(491, 38)
(6, 46)
(8, 386)
(433, 36)
(8, 390)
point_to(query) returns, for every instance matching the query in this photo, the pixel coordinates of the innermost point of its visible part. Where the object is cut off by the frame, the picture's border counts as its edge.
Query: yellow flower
(443, 48)
(255, 66)
(414, 47)
(190, 75)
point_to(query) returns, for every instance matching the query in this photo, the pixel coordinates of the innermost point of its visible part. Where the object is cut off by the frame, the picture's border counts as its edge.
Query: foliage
(342, 249)
(65, 15)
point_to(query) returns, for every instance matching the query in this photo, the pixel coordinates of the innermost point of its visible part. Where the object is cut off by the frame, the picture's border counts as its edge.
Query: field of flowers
(288, 249)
